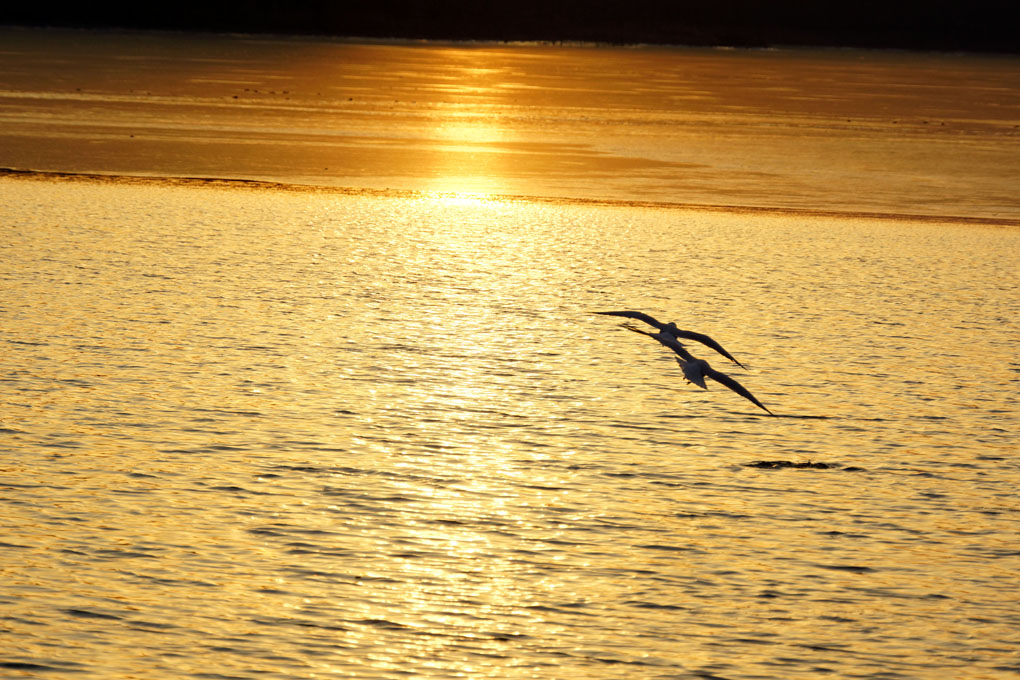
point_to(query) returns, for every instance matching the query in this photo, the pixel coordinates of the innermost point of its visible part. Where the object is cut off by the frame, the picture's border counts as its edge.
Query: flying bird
(696, 370)
(671, 330)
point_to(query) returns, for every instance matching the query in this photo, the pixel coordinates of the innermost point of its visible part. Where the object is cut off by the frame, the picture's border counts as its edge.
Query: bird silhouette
(696, 370)
(672, 330)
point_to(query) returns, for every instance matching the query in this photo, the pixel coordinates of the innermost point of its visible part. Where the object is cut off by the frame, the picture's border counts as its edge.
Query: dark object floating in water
(776, 464)
(852, 568)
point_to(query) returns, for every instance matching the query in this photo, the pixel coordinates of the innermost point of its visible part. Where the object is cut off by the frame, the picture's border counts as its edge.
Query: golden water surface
(832, 129)
(283, 432)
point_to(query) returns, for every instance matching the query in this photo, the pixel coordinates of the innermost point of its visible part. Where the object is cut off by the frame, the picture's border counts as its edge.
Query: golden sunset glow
(467, 127)
(469, 157)
(311, 358)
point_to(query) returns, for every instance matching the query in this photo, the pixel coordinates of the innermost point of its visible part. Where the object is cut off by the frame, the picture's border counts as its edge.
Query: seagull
(696, 370)
(671, 330)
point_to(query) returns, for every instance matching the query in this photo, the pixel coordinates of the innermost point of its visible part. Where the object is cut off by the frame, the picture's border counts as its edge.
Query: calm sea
(357, 419)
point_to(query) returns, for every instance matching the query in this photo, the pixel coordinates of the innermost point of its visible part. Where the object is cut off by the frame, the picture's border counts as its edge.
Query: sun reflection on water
(465, 556)
(472, 138)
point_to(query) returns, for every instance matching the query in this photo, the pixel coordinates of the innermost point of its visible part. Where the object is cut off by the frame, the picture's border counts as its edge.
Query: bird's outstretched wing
(640, 316)
(729, 382)
(707, 342)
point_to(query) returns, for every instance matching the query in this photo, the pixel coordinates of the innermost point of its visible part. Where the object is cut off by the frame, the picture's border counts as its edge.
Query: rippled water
(295, 434)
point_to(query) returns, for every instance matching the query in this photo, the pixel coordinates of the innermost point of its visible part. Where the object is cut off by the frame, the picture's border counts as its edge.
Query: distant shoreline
(981, 26)
(487, 42)
(490, 43)
(270, 185)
